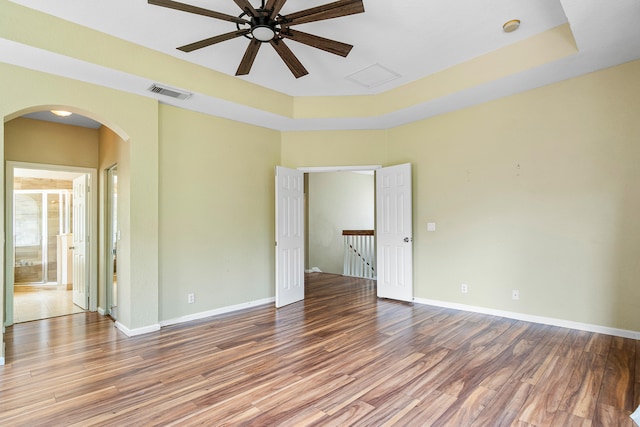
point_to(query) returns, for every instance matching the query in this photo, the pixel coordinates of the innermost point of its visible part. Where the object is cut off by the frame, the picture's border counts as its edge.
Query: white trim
(137, 331)
(101, 311)
(217, 311)
(635, 335)
(1, 361)
(311, 169)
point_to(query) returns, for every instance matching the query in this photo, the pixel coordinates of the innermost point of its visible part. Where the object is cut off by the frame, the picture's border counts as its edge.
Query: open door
(80, 213)
(289, 236)
(394, 231)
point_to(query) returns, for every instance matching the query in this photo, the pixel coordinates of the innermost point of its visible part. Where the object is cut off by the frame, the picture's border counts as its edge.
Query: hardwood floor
(339, 358)
(41, 302)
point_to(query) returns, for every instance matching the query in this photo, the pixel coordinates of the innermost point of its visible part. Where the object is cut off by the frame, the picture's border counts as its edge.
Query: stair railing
(359, 253)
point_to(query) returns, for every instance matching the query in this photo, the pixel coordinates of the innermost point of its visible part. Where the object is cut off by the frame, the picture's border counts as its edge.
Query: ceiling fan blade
(328, 45)
(249, 57)
(213, 40)
(246, 7)
(289, 58)
(197, 10)
(275, 6)
(327, 11)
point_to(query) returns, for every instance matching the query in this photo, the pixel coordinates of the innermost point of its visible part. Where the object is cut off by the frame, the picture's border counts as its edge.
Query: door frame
(92, 198)
(315, 169)
(111, 246)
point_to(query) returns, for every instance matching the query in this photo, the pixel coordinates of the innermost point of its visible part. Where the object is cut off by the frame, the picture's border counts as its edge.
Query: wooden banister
(358, 232)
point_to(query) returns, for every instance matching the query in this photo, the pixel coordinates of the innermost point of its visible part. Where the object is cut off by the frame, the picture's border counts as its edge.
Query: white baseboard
(1, 361)
(215, 312)
(101, 311)
(195, 316)
(534, 319)
(137, 331)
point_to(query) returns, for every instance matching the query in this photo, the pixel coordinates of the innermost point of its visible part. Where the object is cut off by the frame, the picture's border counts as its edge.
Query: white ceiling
(413, 38)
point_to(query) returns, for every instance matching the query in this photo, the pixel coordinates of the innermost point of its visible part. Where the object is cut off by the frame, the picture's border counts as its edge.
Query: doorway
(335, 203)
(42, 211)
(394, 238)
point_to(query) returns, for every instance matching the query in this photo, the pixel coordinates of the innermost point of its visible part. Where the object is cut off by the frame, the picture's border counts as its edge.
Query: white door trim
(93, 230)
(80, 242)
(312, 169)
(320, 169)
(354, 168)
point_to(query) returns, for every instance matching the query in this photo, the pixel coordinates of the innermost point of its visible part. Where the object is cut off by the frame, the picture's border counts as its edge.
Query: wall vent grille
(167, 91)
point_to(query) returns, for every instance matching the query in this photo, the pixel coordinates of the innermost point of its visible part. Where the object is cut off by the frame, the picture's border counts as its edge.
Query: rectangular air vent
(373, 75)
(168, 91)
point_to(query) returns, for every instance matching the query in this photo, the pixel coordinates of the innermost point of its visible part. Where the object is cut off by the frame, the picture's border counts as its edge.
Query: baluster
(359, 248)
(367, 256)
(345, 257)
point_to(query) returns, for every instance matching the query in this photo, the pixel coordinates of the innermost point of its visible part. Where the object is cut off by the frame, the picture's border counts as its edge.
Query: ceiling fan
(266, 25)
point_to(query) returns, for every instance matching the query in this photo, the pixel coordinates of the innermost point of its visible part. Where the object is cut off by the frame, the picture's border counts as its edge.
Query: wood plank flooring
(342, 357)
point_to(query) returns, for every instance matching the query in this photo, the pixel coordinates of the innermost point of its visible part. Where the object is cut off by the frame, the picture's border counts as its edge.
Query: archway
(133, 121)
(34, 138)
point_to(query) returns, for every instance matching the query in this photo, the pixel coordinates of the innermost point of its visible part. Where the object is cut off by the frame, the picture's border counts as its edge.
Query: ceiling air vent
(373, 75)
(167, 91)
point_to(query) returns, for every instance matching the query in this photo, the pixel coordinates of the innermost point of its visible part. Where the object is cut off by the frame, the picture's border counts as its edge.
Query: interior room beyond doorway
(42, 244)
(336, 201)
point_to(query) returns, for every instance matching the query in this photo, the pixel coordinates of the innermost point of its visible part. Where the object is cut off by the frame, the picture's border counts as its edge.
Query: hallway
(42, 302)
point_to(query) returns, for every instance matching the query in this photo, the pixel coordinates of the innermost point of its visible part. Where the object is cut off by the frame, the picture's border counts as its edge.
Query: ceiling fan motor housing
(263, 28)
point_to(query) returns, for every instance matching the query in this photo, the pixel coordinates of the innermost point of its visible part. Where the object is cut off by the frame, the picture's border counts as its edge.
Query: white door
(79, 230)
(289, 236)
(394, 231)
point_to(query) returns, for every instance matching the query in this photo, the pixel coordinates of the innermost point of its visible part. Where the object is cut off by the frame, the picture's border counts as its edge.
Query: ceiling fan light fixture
(263, 33)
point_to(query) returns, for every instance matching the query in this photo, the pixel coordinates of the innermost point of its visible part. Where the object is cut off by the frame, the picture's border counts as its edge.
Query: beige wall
(37, 141)
(536, 192)
(334, 148)
(217, 224)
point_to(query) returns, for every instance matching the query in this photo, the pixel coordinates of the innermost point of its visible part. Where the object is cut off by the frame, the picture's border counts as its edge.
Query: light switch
(431, 226)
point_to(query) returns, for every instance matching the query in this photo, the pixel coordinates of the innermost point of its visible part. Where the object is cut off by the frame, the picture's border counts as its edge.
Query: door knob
(72, 247)
(407, 239)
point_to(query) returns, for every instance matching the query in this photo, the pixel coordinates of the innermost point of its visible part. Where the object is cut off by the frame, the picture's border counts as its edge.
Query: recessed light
(61, 113)
(511, 26)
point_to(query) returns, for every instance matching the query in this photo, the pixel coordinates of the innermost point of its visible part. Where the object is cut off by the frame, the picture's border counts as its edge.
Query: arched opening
(48, 152)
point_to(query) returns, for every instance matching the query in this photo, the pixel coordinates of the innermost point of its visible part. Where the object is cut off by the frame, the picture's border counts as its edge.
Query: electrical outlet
(191, 298)
(515, 294)
(463, 288)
